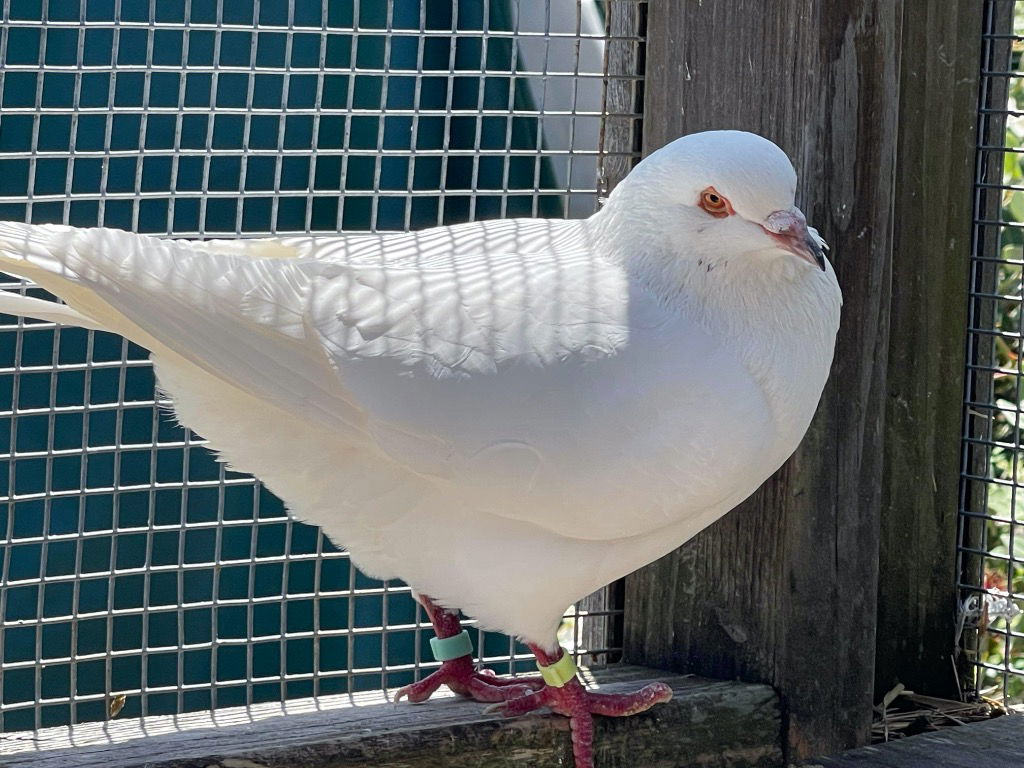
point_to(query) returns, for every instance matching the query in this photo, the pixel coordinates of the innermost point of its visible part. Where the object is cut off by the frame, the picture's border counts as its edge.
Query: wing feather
(289, 329)
(495, 365)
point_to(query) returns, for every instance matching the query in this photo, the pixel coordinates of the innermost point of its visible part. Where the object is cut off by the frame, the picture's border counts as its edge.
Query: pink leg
(579, 705)
(459, 674)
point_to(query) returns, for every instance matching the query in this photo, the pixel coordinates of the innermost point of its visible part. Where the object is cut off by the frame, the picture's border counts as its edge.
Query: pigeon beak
(789, 230)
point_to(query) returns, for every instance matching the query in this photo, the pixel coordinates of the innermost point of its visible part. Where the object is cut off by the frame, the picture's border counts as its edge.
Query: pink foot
(459, 673)
(461, 676)
(579, 705)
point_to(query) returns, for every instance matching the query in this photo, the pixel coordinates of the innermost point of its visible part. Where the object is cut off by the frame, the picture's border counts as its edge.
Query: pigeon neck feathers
(778, 312)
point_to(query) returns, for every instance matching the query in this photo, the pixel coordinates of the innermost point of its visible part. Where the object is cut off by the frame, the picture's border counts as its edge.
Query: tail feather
(28, 250)
(46, 254)
(237, 317)
(40, 309)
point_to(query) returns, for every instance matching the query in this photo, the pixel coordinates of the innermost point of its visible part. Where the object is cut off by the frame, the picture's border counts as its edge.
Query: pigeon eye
(713, 203)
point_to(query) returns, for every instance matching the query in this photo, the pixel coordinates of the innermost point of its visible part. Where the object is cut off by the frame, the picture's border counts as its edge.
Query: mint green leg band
(447, 648)
(559, 673)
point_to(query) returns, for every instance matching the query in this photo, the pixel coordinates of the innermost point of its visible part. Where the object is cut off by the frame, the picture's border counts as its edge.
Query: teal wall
(175, 205)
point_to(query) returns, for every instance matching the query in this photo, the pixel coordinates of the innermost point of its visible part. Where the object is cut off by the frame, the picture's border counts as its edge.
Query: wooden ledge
(708, 723)
(988, 744)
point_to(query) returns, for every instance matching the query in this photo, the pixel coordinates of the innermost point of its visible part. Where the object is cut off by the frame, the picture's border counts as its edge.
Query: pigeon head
(720, 195)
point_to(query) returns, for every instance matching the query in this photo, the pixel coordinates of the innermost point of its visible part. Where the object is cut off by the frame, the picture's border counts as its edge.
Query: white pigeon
(507, 414)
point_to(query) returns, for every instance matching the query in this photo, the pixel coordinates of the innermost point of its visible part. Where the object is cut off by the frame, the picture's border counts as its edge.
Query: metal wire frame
(139, 576)
(991, 541)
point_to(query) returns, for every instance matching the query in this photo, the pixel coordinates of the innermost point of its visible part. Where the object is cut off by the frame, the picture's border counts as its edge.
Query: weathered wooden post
(783, 590)
(917, 591)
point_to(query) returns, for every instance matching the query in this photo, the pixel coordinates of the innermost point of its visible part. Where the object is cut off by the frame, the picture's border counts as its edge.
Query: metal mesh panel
(992, 509)
(138, 574)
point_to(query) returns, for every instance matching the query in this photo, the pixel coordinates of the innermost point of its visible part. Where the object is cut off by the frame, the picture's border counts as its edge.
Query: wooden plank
(783, 590)
(941, 49)
(991, 743)
(620, 132)
(619, 145)
(708, 723)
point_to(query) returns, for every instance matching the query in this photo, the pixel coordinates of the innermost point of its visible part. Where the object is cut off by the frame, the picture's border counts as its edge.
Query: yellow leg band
(559, 673)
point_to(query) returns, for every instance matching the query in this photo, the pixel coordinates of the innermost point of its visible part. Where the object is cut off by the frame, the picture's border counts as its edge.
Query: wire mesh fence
(992, 509)
(139, 575)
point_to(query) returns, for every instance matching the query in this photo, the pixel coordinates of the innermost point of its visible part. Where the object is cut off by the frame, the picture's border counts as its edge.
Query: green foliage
(1004, 567)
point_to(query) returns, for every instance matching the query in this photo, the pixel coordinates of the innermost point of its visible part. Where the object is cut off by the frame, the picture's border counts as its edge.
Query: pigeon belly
(599, 474)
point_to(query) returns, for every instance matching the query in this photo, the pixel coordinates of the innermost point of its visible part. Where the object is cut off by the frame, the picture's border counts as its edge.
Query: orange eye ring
(714, 204)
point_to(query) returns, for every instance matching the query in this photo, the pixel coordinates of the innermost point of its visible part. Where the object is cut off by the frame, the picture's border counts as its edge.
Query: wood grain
(991, 743)
(917, 606)
(619, 145)
(712, 724)
(783, 590)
